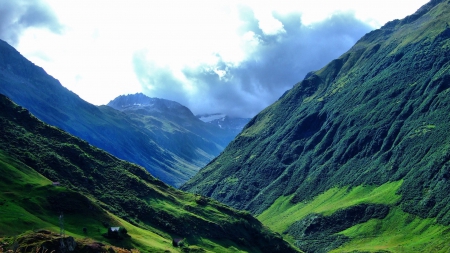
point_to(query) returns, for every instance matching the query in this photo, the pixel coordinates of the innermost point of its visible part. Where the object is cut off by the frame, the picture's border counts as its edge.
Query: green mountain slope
(98, 190)
(117, 133)
(375, 116)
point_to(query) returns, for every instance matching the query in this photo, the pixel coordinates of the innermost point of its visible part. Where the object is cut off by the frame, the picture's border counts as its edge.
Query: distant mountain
(224, 121)
(55, 183)
(354, 158)
(169, 146)
(175, 128)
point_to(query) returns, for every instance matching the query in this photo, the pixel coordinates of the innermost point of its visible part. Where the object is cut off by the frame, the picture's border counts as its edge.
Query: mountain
(138, 141)
(54, 183)
(174, 127)
(356, 156)
(224, 121)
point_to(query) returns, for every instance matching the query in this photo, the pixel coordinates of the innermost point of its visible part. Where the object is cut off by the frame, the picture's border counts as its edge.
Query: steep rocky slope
(376, 117)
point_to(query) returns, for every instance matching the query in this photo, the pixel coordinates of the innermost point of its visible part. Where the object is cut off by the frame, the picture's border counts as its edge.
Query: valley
(353, 158)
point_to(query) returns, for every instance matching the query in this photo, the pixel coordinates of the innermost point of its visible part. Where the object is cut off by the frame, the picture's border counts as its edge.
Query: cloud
(159, 81)
(274, 62)
(18, 15)
(209, 55)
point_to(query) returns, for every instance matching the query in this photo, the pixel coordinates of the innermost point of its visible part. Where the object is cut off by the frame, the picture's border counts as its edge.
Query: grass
(14, 218)
(399, 232)
(258, 127)
(422, 130)
(24, 207)
(145, 240)
(283, 213)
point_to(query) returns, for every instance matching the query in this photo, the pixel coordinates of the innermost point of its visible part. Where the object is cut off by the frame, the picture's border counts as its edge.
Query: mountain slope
(378, 114)
(104, 127)
(96, 188)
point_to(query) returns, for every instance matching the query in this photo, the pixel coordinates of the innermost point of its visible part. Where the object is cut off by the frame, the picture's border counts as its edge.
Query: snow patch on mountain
(211, 117)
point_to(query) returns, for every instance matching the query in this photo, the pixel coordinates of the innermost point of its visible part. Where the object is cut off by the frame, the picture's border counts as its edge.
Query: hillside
(116, 132)
(97, 191)
(355, 156)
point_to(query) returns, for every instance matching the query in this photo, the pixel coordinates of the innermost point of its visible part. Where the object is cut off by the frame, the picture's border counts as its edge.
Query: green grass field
(25, 207)
(397, 232)
(283, 213)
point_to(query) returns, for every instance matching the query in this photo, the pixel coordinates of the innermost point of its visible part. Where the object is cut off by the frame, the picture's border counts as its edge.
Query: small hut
(177, 242)
(115, 229)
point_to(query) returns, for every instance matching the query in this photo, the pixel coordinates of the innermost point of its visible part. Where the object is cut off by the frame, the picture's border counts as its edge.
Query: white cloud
(97, 53)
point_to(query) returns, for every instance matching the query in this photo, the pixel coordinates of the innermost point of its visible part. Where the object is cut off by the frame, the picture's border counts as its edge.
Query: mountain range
(165, 138)
(354, 158)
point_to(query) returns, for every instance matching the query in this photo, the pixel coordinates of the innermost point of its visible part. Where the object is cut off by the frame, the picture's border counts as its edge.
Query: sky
(232, 57)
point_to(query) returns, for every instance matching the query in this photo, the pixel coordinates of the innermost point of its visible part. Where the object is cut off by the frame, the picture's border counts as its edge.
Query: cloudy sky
(234, 57)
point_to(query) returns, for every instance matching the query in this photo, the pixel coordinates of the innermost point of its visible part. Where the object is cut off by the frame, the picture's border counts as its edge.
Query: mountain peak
(140, 101)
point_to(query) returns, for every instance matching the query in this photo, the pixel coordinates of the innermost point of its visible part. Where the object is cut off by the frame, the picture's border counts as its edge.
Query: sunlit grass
(24, 188)
(25, 207)
(398, 232)
(283, 213)
(258, 127)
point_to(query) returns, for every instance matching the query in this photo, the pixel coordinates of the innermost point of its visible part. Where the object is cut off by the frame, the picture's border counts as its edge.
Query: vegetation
(398, 232)
(283, 212)
(363, 219)
(96, 191)
(374, 117)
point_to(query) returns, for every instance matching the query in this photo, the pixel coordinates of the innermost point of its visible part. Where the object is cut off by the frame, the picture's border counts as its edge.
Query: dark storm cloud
(18, 15)
(273, 66)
